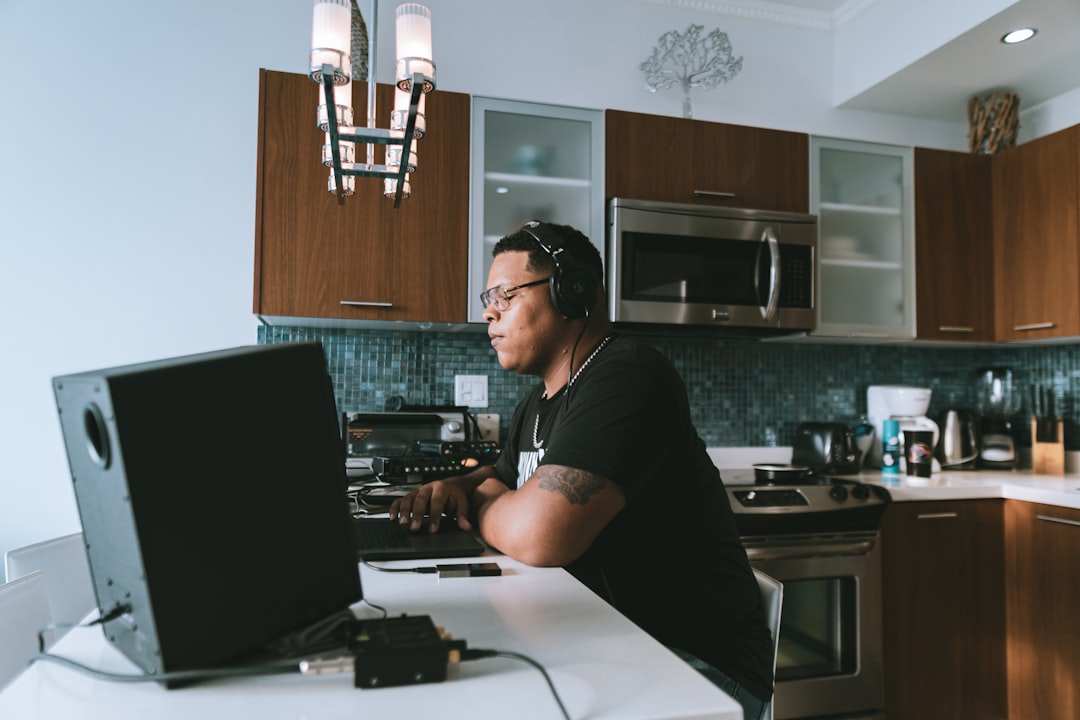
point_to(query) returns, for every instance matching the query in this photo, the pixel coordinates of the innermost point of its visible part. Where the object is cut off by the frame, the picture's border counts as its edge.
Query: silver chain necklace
(537, 443)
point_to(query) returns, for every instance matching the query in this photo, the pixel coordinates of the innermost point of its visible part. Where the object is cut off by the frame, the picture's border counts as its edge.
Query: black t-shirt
(671, 560)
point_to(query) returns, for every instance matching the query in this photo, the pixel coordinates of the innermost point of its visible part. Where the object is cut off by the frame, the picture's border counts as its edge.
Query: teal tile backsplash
(742, 392)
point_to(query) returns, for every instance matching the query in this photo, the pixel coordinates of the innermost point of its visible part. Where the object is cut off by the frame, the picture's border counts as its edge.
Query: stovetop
(813, 504)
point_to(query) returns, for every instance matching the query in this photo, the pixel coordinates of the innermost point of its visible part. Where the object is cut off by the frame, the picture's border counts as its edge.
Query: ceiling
(939, 85)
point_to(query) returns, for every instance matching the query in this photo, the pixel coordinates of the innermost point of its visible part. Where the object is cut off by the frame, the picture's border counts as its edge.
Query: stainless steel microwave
(720, 267)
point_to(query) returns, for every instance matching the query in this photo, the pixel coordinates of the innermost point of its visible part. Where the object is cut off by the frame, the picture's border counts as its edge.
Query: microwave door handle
(768, 238)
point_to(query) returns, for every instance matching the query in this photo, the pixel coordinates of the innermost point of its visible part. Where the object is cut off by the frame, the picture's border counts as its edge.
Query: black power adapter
(406, 650)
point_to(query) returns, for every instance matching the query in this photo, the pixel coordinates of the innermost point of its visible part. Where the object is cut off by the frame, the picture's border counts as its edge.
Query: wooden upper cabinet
(954, 258)
(314, 256)
(652, 157)
(1036, 193)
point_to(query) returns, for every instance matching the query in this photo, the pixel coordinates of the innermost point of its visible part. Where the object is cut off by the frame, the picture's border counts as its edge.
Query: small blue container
(890, 447)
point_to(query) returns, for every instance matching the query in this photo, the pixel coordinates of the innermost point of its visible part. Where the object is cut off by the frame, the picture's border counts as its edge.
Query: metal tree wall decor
(691, 61)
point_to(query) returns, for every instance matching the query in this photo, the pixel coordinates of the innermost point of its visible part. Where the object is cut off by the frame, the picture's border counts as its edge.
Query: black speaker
(572, 286)
(212, 494)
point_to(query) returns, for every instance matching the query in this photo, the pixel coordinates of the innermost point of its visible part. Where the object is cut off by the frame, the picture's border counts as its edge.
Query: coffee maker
(997, 403)
(905, 403)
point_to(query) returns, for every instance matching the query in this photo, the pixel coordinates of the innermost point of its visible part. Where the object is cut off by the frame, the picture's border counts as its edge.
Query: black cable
(573, 351)
(472, 428)
(272, 669)
(377, 607)
(479, 654)
(175, 676)
(425, 570)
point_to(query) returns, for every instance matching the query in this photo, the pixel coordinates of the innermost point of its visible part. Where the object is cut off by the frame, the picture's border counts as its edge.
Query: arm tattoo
(577, 486)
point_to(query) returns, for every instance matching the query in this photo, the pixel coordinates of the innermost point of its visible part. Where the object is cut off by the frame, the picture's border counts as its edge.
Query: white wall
(127, 167)
(127, 177)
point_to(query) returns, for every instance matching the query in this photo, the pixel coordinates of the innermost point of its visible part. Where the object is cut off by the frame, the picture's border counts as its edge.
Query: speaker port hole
(97, 436)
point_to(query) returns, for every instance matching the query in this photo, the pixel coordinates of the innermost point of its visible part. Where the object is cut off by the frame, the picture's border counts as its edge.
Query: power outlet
(488, 425)
(471, 390)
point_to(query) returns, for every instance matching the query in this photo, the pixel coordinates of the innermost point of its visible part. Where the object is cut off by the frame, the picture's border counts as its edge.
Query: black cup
(919, 452)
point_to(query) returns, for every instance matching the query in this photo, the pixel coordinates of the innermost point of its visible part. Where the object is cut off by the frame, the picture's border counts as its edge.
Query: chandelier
(331, 68)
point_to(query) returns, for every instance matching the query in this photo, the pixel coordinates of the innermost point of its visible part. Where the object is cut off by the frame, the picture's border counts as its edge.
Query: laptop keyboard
(381, 533)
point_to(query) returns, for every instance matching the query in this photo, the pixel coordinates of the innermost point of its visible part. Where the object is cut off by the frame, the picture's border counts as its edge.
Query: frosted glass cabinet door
(866, 261)
(531, 162)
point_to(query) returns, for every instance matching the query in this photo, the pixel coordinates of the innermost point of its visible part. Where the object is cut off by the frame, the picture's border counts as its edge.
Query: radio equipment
(413, 447)
(419, 468)
(478, 449)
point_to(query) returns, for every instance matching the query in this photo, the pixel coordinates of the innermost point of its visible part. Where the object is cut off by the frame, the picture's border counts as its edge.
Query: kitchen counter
(1059, 490)
(601, 665)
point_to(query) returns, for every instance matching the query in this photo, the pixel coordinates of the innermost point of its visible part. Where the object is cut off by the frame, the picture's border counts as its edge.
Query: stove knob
(838, 493)
(860, 492)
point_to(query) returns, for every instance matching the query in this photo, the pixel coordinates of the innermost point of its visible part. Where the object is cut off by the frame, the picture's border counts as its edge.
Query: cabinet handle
(713, 194)
(955, 328)
(361, 303)
(936, 516)
(1063, 521)
(1033, 326)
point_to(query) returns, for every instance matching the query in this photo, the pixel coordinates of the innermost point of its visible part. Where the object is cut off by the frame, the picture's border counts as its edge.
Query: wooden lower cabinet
(944, 610)
(1043, 610)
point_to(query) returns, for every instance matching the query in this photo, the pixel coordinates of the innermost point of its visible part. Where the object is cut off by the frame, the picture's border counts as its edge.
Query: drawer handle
(713, 194)
(955, 329)
(1063, 521)
(1034, 326)
(361, 303)
(936, 516)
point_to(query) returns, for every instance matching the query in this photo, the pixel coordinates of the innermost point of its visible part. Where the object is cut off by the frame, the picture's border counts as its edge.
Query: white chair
(24, 611)
(772, 598)
(67, 576)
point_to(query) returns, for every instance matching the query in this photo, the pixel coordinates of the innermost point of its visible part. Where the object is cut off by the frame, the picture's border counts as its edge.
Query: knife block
(1048, 458)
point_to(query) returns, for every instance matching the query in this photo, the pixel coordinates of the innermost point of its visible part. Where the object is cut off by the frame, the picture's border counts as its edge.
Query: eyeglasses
(500, 295)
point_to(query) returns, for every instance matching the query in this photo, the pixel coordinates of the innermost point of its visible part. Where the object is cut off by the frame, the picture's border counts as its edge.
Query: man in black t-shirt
(603, 471)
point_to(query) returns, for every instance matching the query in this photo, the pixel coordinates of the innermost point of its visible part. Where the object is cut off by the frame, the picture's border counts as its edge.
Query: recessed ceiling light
(1018, 36)
(502, 190)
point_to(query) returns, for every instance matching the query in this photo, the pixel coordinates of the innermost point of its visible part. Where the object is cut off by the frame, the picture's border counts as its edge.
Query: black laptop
(380, 538)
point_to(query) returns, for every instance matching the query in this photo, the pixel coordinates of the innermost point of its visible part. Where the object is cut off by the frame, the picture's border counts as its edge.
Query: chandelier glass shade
(330, 67)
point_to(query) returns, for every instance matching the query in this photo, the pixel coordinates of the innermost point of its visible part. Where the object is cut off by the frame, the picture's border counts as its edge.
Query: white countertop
(1060, 490)
(602, 665)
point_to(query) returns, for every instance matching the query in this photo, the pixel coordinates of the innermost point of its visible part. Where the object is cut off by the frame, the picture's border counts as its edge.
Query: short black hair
(575, 242)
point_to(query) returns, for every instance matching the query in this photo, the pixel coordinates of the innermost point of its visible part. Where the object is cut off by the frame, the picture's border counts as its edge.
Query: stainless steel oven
(822, 542)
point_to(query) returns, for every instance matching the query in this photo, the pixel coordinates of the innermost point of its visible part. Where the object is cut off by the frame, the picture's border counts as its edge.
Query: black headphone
(572, 286)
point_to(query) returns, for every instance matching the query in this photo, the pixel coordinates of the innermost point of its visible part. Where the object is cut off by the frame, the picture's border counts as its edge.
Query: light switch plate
(471, 390)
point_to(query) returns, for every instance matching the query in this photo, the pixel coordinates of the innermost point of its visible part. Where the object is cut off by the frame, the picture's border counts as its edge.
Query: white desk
(602, 665)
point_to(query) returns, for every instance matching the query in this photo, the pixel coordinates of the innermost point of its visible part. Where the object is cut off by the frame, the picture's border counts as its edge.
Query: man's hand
(449, 496)
(433, 500)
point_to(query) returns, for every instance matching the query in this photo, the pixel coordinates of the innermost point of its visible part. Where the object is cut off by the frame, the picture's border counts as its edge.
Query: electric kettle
(958, 446)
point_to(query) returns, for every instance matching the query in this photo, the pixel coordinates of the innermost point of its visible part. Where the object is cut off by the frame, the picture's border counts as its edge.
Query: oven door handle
(800, 552)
